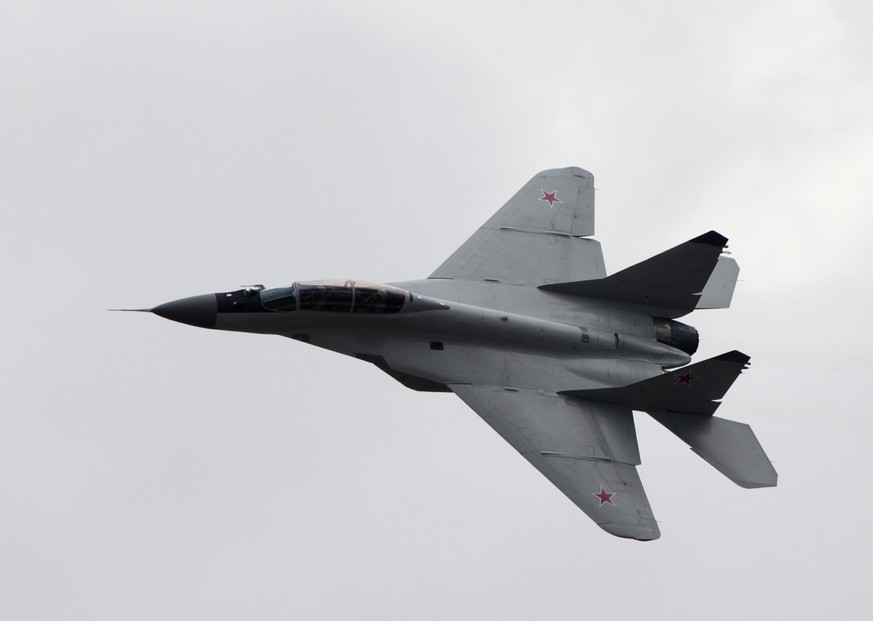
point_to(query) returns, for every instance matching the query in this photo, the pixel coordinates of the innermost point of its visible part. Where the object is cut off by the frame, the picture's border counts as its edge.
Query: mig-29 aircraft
(524, 325)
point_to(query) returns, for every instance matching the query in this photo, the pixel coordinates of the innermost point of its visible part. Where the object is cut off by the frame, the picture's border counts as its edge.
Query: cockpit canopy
(337, 296)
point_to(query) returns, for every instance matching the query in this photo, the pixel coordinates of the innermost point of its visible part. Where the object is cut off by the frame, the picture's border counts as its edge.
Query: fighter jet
(523, 324)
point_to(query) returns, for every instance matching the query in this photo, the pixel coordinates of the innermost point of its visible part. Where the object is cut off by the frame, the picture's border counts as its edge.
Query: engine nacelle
(676, 334)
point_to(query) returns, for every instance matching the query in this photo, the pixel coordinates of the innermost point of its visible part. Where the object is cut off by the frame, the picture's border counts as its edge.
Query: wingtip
(568, 171)
(712, 238)
(644, 531)
(734, 356)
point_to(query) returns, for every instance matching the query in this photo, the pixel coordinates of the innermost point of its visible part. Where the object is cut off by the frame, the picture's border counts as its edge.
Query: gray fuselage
(448, 332)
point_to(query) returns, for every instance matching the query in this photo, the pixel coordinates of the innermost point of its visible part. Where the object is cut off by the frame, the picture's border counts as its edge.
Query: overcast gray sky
(154, 150)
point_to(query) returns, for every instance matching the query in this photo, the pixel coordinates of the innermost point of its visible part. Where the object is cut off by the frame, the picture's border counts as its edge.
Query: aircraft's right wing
(587, 450)
(536, 238)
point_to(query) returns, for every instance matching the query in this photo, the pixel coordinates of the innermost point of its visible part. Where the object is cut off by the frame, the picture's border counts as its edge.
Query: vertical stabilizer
(719, 289)
(669, 283)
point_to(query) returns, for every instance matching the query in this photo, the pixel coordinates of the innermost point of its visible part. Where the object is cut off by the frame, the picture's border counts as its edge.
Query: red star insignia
(604, 497)
(685, 379)
(550, 197)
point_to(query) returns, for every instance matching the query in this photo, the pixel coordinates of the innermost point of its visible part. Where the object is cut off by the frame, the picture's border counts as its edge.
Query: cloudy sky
(154, 150)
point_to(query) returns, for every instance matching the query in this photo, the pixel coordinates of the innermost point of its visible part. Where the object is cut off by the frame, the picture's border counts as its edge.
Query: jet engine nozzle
(676, 334)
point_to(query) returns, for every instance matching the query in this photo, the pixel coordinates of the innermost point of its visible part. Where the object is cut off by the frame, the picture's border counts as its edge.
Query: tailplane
(683, 400)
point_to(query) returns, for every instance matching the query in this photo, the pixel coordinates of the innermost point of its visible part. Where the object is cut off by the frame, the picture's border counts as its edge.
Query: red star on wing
(550, 197)
(685, 379)
(604, 497)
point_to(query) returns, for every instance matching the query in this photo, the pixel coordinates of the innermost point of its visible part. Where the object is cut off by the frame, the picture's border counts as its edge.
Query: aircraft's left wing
(537, 237)
(587, 450)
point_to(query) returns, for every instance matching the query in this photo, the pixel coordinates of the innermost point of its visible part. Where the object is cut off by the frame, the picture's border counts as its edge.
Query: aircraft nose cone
(199, 310)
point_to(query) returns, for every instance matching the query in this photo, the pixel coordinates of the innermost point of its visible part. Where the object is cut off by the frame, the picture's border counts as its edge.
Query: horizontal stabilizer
(694, 389)
(672, 280)
(719, 289)
(730, 447)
